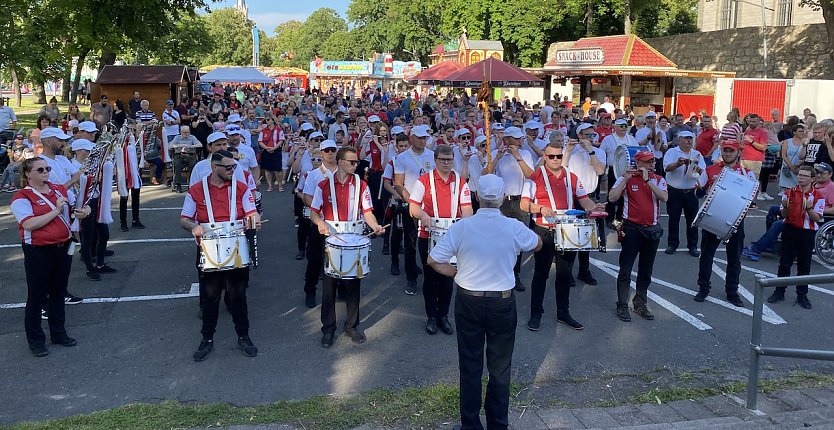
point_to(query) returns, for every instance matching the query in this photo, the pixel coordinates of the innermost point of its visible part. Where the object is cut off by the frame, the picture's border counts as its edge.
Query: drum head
(348, 240)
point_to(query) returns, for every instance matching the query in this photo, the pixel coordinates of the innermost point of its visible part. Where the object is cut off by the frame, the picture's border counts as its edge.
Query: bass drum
(824, 242)
(624, 158)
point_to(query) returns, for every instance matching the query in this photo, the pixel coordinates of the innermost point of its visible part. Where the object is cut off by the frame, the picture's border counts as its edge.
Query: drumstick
(372, 233)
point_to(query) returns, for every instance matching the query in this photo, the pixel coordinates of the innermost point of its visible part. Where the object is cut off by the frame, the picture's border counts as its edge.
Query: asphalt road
(140, 350)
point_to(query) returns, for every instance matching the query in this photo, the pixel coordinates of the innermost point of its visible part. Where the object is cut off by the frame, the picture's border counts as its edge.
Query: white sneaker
(766, 196)
(761, 197)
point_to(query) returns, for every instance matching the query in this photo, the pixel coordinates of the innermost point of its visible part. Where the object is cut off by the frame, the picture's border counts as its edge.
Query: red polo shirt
(640, 205)
(535, 191)
(26, 205)
(345, 199)
(194, 207)
(419, 195)
(705, 141)
(749, 152)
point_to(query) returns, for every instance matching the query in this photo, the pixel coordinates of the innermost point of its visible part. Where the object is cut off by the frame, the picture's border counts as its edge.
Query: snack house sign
(580, 57)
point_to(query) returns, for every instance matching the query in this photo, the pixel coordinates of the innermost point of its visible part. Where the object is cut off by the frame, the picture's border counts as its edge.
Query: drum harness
(454, 203)
(357, 197)
(569, 189)
(232, 215)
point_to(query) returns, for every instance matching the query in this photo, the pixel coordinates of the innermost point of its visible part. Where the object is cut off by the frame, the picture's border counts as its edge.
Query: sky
(267, 14)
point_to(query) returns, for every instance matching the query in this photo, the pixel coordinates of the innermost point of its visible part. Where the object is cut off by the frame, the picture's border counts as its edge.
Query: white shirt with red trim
(444, 190)
(535, 190)
(640, 205)
(797, 216)
(388, 172)
(413, 166)
(345, 199)
(194, 207)
(314, 178)
(203, 168)
(26, 204)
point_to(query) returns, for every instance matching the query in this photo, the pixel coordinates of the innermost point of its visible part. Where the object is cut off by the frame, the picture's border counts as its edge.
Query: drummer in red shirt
(344, 183)
(441, 189)
(710, 242)
(802, 207)
(552, 179)
(197, 209)
(42, 210)
(642, 191)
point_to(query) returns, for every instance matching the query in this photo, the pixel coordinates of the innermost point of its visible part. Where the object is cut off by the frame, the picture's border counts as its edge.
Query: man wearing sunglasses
(683, 166)
(462, 152)
(609, 146)
(217, 141)
(315, 241)
(532, 142)
(343, 183)
(551, 179)
(437, 196)
(199, 208)
(710, 242)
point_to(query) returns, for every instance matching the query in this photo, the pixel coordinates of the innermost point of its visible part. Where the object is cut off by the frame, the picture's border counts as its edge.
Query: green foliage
(189, 43)
(231, 35)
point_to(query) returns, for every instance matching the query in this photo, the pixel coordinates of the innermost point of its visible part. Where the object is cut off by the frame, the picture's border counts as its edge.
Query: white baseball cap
(374, 118)
(233, 129)
(397, 130)
(686, 133)
(79, 144)
(234, 118)
(419, 131)
(491, 187)
(328, 144)
(217, 135)
(651, 114)
(583, 126)
(462, 131)
(315, 134)
(307, 126)
(514, 132)
(54, 132)
(497, 126)
(532, 125)
(480, 139)
(88, 126)
(73, 123)
(621, 121)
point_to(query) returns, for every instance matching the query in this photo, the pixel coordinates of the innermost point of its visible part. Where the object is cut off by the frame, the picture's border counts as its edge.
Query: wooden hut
(156, 84)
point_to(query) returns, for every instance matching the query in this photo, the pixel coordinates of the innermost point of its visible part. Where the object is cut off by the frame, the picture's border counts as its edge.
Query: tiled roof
(622, 50)
(142, 75)
(486, 45)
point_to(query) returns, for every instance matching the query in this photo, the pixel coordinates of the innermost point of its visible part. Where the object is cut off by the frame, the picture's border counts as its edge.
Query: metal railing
(756, 348)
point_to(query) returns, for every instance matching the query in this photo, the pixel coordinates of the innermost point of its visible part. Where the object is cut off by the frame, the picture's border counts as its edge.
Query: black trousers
(328, 302)
(543, 259)
(709, 243)
(686, 202)
(635, 244)
(374, 184)
(94, 237)
(180, 161)
(47, 275)
(615, 209)
(134, 206)
(493, 320)
(212, 286)
(315, 259)
(797, 243)
(395, 234)
(410, 246)
(302, 232)
(764, 176)
(437, 288)
(512, 209)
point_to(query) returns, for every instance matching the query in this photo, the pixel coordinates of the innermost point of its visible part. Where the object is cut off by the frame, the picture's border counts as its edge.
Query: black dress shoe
(395, 269)
(300, 255)
(803, 302)
(246, 346)
(623, 314)
(93, 275)
(569, 321)
(643, 311)
(431, 326)
(446, 326)
(105, 269)
(777, 296)
(327, 340)
(694, 252)
(109, 253)
(203, 350)
(701, 296)
(385, 249)
(310, 300)
(64, 341)
(587, 277)
(355, 335)
(670, 250)
(518, 285)
(138, 224)
(124, 227)
(39, 350)
(735, 300)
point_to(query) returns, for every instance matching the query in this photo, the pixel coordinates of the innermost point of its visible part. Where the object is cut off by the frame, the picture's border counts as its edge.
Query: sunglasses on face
(229, 168)
(316, 140)
(328, 150)
(316, 160)
(483, 145)
(46, 169)
(621, 126)
(465, 138)
(352, 162)
(554, 156)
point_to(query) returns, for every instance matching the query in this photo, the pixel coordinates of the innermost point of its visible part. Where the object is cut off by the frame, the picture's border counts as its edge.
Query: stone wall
(795, 52)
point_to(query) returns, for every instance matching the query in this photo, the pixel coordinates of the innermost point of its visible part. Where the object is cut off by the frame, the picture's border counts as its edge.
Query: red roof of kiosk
(621, 50)
(437, 72)
(498, 73)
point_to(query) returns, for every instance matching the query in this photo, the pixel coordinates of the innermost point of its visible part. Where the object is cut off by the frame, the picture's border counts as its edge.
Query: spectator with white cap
(477, 162)
(683, 167)
(532, 141)
(248, 159)
(235, 120)
(651, 135)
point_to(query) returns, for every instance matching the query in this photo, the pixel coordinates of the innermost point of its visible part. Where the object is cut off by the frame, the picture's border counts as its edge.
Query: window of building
(729, 14)
(474, 57)
(784, 12)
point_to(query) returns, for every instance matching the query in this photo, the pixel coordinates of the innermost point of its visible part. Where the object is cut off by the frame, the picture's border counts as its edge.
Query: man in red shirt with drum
(642, 191)
(552, 188)
(710, 242)
(438, 198)
(346, 187)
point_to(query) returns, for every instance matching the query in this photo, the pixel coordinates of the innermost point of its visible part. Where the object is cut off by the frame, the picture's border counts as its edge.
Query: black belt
(514, 197)
(51, 245)
(627, 223)
(684, 190)
(492, 294)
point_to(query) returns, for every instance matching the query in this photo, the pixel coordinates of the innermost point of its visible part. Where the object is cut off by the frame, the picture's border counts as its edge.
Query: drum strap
(568, 187)
(454, 200)
(357, 198)
(232, 206)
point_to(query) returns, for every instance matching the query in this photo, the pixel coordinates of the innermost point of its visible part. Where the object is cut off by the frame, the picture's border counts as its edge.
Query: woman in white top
(790, 156)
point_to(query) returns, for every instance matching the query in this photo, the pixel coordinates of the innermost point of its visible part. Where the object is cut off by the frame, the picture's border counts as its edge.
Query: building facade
(729, 14)
(464, 51)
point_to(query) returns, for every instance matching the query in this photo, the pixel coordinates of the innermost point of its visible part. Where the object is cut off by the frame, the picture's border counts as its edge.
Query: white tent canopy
(237, 74)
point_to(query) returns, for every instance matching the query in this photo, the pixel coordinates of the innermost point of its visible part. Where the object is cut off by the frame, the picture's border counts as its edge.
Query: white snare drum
(726, 204)
(576, 234)
(224, 246)
(624, 158)
(435, 235)
(348, 227)
(305, 212)
(346, 256)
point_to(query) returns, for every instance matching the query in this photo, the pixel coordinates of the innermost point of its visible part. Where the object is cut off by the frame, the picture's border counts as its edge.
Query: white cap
(490, 187)
(233, 129)
(328, 144)
(462, 131)
(88, 126)
(532, 125)
(217, 135)
(650, 114)
(397, 130)
(54, 132)
(480, 139)
(79, 144)
(374, 118)
(316, 134)
(233, 118)
(497, 126)
(583, 126)
(621, 121)
(686, 133)
(307, 126)
(419, 131)
(514, 132)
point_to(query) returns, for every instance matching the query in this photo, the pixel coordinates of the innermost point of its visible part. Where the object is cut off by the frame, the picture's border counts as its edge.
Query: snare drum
(624, 158)
(346, 256)
(435, 234)
(576, 234)
(224, 246)
(726, 204)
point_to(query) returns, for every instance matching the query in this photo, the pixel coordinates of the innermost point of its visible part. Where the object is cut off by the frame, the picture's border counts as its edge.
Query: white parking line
(193, 292)
(768, 315)
(773, 275)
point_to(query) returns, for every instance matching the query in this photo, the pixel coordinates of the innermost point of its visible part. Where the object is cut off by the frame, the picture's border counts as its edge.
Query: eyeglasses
(316, 140)
(466, 138)
(46, 169)
(554, 156)
(445, 160)
(316, 160)
(229, 168)
(352, 162)
(803, 175)
(621, 126)
(328, 150)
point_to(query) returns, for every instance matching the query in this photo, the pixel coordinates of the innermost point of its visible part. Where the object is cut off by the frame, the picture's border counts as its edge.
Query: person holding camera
(683, 166)
(201, 128)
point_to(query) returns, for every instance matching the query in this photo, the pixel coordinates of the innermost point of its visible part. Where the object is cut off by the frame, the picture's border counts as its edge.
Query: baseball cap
(233, 117)
(233, 129)
(54, 132)
(217, 135)
(374, 118)
(419, 131)
(88, 126)
(462, 131)
(583, 126)
(824, 166)
(169, 102)
(686, 133)
(514, 132)
(397, 130)
(651, 114)
(644, 156)
(73, 123)
(480, 139)
(328, 144)
(620, 122)
(532, 124)
(491, 187)
(730, 144)
(307, 126)
(316, 134)
(79, 144)
(497, 126)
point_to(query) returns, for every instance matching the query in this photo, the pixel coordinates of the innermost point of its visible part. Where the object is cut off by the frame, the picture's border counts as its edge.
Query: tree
(827, 7)
(189, 43)
(316, 31)
(231, 34)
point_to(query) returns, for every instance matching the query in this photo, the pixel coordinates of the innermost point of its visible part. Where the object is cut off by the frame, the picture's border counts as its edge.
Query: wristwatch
(592, 152)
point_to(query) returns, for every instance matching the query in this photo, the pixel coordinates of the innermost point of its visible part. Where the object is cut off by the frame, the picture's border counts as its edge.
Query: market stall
(249, 75)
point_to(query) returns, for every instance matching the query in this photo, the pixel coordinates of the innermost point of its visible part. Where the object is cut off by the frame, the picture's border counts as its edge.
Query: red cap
(604, 115)
(644, 156)
(730, 144)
